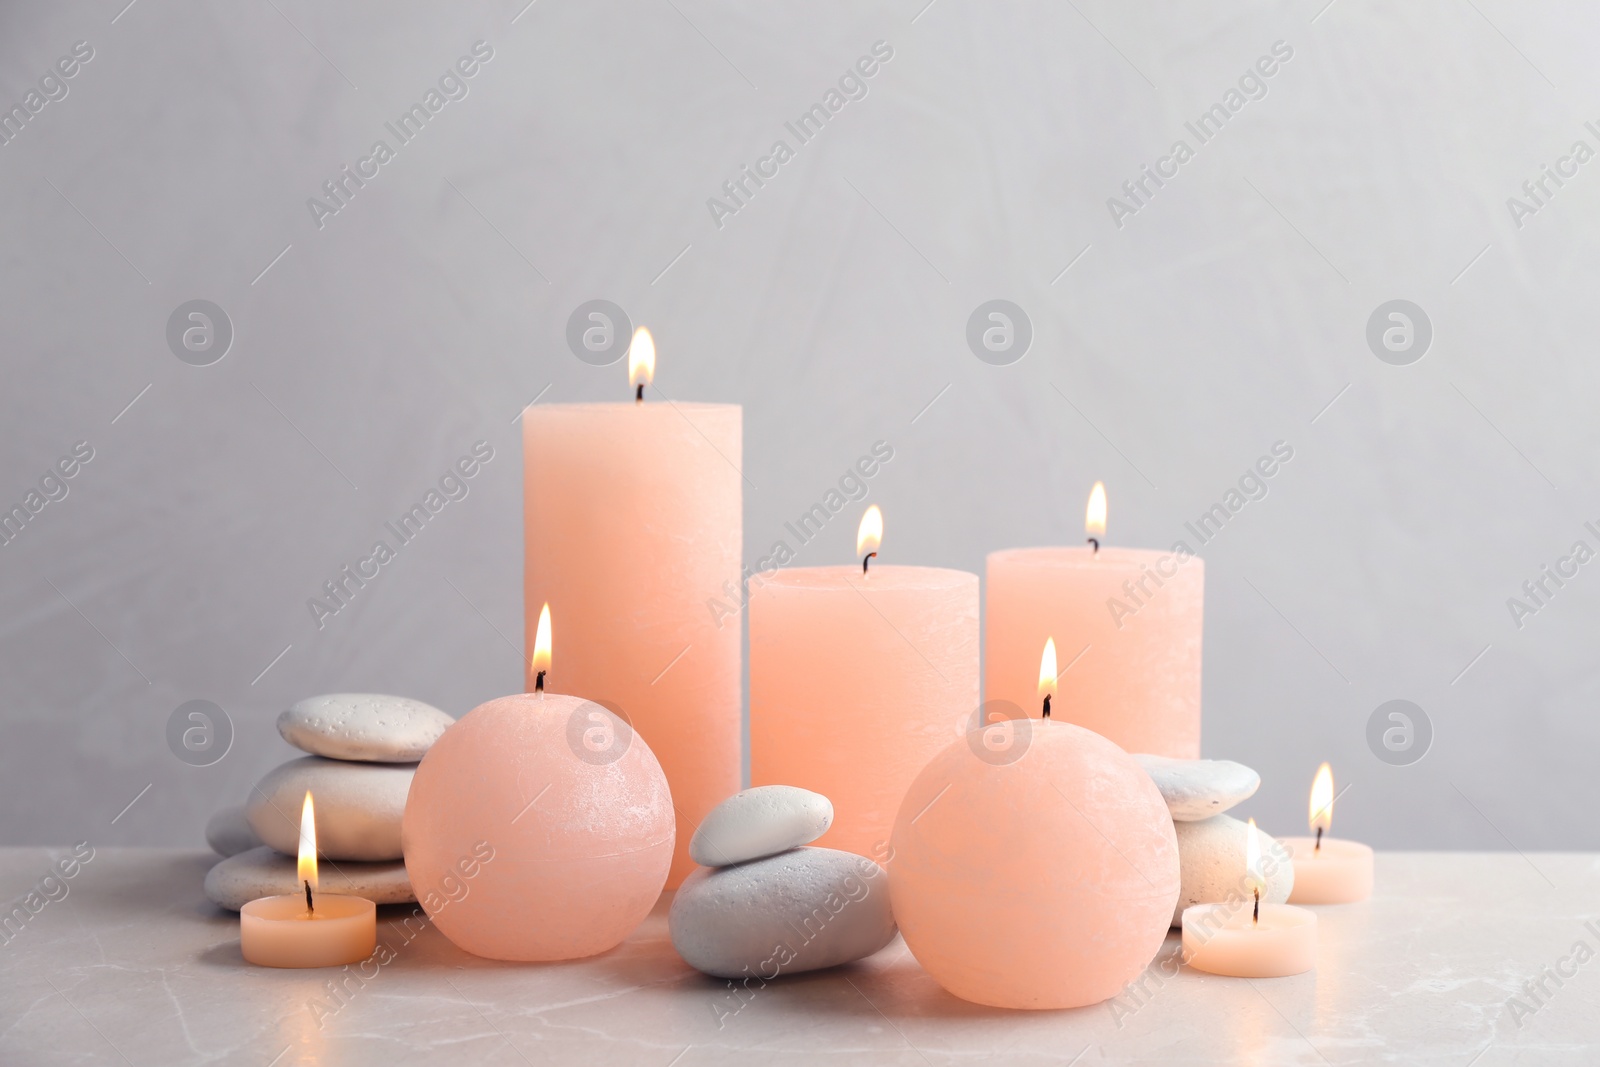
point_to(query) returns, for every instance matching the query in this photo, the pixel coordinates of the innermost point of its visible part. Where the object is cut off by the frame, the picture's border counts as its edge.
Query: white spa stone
(1197, 789)
(358, 807)
(801, 910)
(1211, 864)
(228, 832)
(262, 872)
(760, 822)
(370, 727)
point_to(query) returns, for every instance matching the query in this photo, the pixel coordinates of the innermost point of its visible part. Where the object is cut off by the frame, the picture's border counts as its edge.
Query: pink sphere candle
(856, 681)
(633, 536)
(1034, 865)
(538, 827)
(1127, 625)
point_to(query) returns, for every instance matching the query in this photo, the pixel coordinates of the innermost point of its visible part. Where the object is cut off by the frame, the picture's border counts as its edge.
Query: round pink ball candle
(1034, 866)
(571, 807)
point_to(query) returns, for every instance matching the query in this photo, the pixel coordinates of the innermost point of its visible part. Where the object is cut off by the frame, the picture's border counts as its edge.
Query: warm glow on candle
(641, 358)
(869, 535)
(1047, 669)
(1094, 520)
(1322, 801)
(308, 843)
(541, 642)
(1252, 860)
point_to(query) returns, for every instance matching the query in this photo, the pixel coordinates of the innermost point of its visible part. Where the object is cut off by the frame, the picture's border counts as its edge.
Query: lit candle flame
(641, 359)
(1047, 671)
(1252, 860)
(308, 843)
(1322, 801)
(1094, 519)
(869, 535)
(541, 647)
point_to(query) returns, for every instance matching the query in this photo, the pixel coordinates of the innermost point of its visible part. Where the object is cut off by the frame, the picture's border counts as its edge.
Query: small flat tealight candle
(1328, 870)
(310, 929)
(280, 932)
(1233, 940)
(1249, 939)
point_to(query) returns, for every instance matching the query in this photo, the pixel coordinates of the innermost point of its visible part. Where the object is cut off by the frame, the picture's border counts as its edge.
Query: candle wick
(864, 559)
(538, 683)
(1095, 541)
(638, 394)
(1255, 916)
(1047, 705)
(309, 906)
(1318, 847)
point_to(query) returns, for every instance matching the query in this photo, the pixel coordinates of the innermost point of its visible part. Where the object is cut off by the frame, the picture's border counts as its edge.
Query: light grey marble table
(134, 966)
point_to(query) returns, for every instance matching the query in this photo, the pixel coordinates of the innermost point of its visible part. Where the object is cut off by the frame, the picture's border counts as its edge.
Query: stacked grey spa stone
(762, 905)
(363, 749)
(1211, 845)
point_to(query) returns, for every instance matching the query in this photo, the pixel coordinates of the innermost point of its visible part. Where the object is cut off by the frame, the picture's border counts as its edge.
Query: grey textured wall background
(1168, 353)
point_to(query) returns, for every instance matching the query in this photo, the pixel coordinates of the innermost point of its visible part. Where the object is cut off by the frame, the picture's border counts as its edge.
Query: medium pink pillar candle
(1127, 624)
(1229, 939)
(856, 683)
(633, 530)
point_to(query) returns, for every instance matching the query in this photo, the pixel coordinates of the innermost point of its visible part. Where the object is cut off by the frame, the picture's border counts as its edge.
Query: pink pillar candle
(1228, 939)
(1340, 872)
(1127, 625)
(280, 931)
(633, 536)
(856, 683)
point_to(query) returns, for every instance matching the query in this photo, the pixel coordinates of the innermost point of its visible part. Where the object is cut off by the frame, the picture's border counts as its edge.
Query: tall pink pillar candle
(1127, 626)
(633, 534)
(856, 683)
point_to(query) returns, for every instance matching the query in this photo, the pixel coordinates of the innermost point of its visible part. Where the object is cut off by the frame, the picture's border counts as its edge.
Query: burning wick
(1255, 916)
(1318, 846)
(309, 906)
(1047, 705)
(1095, 541)
(540, 661)
(869, 535)
(638, 393)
